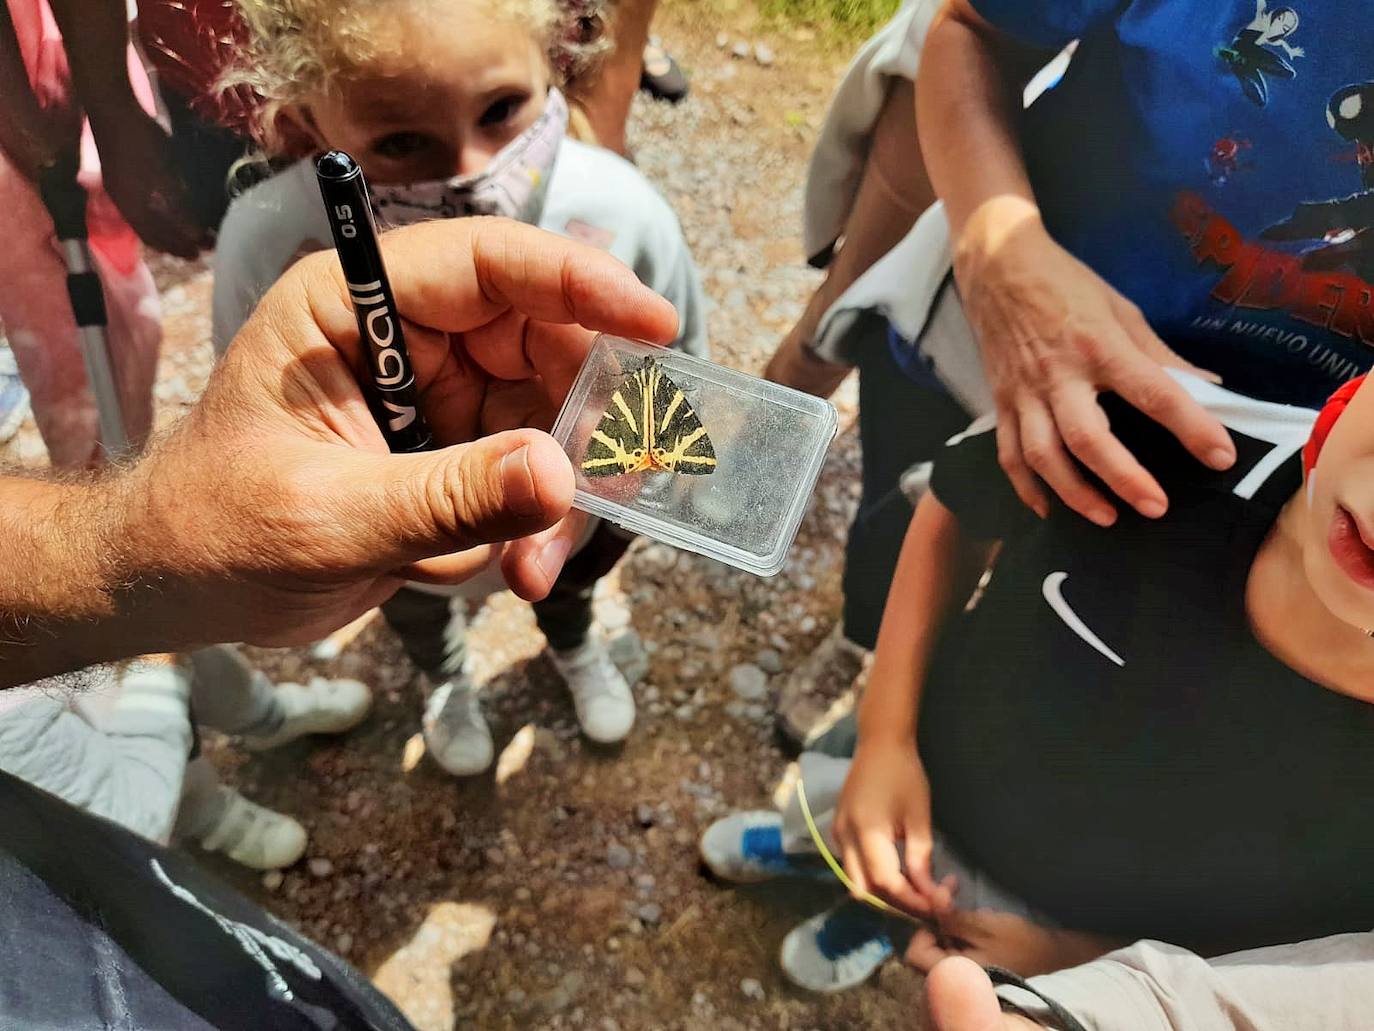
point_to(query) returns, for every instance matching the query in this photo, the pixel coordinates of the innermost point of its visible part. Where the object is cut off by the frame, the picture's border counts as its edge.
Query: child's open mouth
(1350, 548)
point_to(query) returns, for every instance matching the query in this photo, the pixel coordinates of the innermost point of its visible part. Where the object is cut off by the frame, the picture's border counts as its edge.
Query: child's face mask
(512, 185)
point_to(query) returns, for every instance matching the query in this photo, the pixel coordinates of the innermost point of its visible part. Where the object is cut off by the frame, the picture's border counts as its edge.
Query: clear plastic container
(724, 464)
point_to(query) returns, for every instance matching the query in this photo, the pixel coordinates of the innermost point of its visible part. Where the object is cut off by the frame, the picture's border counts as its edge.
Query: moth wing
(620, 430)
(678, 430)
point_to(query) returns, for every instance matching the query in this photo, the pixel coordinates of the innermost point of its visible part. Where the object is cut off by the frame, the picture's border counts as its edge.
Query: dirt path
(564, 891)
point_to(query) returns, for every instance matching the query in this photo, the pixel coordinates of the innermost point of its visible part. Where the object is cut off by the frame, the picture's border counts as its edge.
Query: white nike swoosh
(1055, 596)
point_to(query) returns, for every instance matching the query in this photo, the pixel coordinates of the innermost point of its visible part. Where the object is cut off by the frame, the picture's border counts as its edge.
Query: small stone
(645, 882)
(618, 857)
(684, 714)
(494, 857)
(272, 879)
(646, 815)
(763, 54)
(769, 661)
(320, 867)
(807, 624)
(343, 944)
(748, 682)
(722, 41)
(751, 989)
(740, 49)
(650, 913)
(757, 713)
(634, 977)
(735, 710)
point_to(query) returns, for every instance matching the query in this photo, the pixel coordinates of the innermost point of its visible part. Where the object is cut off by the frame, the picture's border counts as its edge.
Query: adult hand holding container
(693, 454)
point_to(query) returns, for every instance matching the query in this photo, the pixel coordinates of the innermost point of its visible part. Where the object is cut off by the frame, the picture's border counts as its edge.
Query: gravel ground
(564, 890)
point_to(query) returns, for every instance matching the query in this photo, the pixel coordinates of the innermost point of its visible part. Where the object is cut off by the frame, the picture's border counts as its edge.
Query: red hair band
(1326, 418)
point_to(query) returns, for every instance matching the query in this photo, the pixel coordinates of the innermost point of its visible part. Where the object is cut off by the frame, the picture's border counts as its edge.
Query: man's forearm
(969, 103)
(61, 571)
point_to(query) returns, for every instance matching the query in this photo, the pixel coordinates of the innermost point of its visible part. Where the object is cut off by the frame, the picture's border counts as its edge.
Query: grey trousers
(130, 763)
(1322, 985)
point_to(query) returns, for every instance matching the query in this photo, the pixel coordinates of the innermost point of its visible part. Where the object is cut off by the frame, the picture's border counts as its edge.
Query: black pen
(393, 400)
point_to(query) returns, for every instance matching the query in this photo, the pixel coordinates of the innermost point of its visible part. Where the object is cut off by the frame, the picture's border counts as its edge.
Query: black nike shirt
(1105, 736)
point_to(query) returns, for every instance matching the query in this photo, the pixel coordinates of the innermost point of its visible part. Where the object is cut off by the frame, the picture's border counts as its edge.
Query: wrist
(990, 228)
(65, 614)
(884, 735)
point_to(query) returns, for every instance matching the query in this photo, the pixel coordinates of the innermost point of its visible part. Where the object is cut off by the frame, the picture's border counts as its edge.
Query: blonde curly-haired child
(453, 108)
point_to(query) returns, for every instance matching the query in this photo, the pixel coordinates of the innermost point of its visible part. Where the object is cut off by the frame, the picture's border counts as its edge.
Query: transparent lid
(693, 454)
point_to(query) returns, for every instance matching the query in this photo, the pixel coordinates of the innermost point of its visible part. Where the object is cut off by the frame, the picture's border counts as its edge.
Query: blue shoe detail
(763, 845)
(848, 928)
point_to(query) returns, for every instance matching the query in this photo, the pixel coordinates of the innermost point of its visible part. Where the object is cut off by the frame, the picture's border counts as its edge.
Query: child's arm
(886, 798)
(136, 165)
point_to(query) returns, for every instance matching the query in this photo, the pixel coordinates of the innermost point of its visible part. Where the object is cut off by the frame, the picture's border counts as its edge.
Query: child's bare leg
(606, 100)
(892, 193)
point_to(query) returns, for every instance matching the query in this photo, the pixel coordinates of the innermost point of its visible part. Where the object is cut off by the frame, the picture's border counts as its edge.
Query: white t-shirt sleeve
(599, 197)
(263, 232)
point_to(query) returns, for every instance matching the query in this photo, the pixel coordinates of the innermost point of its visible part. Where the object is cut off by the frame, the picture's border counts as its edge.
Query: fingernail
(1221, 458)
(1102, 516)
(1152, 508)
(551, 558)
(521, 498)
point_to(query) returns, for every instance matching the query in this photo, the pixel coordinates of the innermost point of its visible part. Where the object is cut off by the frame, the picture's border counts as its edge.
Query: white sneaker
(321, 707)
(746, 848)
(455, 731)
(253, 835)
(605, 705)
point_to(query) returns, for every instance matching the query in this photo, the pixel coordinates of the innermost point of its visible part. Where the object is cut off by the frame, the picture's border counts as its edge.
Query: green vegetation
(859, 17)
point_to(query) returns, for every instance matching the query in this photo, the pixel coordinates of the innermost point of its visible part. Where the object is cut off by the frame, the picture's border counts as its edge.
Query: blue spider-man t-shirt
(1214, 161)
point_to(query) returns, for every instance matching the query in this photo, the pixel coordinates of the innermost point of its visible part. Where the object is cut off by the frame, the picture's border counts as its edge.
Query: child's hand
(886, 800)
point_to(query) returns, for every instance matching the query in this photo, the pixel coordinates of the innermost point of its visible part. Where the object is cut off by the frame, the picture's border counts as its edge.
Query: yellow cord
(837, 870)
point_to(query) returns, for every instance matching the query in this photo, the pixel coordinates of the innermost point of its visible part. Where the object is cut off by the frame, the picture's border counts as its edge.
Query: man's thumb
(497, 488)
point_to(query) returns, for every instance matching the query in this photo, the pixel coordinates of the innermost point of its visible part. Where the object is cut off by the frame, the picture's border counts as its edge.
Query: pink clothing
(34, 312)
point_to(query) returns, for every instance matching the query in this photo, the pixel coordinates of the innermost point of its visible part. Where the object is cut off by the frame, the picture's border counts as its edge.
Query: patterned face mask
(512, 185)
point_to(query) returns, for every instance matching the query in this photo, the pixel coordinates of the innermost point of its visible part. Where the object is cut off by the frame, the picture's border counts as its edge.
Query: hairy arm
(59, 575)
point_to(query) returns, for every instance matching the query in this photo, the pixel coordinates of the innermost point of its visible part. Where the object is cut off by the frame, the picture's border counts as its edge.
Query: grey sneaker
(603, 699)
(323, 706)
(820, 692)
(455, 731)
(253, 835)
